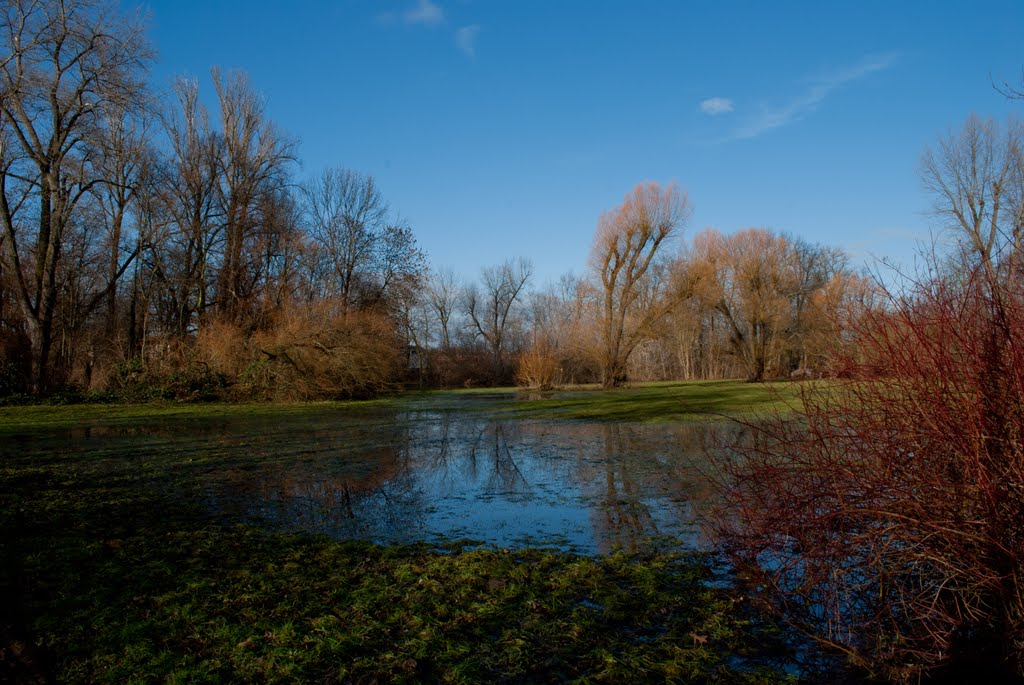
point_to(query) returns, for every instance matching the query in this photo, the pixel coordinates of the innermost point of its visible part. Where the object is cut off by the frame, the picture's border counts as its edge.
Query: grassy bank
(675, 401)
(50, 416)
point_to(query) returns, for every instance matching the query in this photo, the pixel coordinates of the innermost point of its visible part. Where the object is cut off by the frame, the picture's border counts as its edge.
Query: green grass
(48, 416)
(679, 401)
(216, 604)
(674, 401)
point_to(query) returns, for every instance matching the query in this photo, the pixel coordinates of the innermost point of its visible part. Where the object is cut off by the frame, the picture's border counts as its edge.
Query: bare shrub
(539, 366)
(316, 353)
(223, 347)
(888, 522)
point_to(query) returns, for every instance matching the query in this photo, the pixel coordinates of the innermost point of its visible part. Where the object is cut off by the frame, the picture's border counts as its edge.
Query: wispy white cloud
(423, 13)
(465, 39)
(820, 86)
(714, 106)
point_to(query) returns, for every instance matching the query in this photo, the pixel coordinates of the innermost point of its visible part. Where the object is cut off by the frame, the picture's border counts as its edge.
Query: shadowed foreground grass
(237, 605)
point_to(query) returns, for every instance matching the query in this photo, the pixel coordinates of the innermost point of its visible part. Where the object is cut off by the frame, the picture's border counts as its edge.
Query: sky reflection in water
(407, 476)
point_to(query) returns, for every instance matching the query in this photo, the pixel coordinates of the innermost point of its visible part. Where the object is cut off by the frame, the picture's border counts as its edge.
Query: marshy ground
(373, 542)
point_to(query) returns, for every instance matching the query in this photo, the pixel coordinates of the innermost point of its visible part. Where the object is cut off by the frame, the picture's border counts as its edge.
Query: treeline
(151, 247)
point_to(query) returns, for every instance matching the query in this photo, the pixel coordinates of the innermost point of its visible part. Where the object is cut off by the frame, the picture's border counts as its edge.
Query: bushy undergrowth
(308, 354)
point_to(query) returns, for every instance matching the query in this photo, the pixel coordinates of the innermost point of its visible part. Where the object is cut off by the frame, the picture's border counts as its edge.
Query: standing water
(402, 476)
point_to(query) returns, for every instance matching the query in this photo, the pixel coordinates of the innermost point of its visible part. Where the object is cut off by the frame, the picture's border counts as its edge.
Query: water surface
(416, 474)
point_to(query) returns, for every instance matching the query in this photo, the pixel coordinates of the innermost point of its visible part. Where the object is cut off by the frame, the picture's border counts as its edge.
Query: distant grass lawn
(647, 402)
(43, 416)
(674, 401)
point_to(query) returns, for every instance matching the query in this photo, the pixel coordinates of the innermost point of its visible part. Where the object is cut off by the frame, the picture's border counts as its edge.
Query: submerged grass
(109, 582)
(111, 571)
(237, 605)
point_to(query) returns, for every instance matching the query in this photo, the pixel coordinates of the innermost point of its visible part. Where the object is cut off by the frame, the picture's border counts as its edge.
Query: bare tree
(560, 336)
(492, 312)
(126, 159)
(65, 66)
(254, 159)
(749, 282)
(443, 295)
(977, 180)
(185, 259)
(628, 240)
(366, 251)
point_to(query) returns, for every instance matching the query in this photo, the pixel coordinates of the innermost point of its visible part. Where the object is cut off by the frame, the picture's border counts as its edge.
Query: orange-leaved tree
(633, 294)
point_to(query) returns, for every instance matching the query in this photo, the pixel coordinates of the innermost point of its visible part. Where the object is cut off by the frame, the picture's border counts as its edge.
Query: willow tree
(634, 296)
(67, 67)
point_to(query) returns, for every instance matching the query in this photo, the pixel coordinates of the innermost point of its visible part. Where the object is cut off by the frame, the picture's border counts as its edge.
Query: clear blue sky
(504, 128)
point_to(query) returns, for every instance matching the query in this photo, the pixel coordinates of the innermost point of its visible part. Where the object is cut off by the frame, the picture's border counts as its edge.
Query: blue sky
(503, 129)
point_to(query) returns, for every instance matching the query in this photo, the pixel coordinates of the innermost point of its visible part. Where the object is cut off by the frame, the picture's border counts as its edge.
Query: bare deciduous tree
(443, 295)
(366, 251)
(126, 161)
(749, 281)
(65, 66)
(184, 260)
(253, 161)
(628, 240)
(492, 312)
(977, 180)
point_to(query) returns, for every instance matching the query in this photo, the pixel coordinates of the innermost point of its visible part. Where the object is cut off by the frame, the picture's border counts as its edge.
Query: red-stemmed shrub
(887, 519)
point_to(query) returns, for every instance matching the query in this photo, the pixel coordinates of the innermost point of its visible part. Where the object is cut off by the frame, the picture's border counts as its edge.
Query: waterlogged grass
(237, 605)
(681, 401)
(106, 581)
(111, 571)
(47, 416)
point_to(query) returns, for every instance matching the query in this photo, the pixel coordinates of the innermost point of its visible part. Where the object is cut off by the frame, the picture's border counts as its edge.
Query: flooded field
(415, 473)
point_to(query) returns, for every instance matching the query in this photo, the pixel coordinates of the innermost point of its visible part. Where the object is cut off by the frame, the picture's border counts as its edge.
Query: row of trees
(149, 242)
(754, 304)
(142, 235)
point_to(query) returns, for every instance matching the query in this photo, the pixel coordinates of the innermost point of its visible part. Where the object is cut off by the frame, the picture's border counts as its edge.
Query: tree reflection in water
(405, 476)
(590, 487)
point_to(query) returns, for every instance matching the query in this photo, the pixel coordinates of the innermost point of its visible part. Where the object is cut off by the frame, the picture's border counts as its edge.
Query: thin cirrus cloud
(429, 14)
(465, 39)
(423, 13)
(799, 106)
(715, 106)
